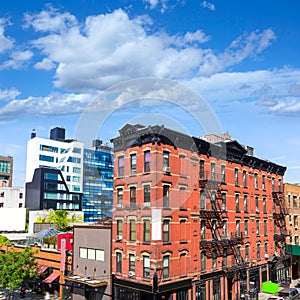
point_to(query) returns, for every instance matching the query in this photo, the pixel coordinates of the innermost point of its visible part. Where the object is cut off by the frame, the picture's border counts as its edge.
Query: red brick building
(194, 219)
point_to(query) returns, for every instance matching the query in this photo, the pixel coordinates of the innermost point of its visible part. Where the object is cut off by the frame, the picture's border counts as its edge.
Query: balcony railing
(212, 177)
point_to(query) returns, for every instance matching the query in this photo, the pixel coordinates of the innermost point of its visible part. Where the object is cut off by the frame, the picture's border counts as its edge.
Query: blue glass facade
(98, 174)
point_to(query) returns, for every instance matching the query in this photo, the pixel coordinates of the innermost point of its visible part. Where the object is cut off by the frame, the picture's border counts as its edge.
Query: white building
(12, 197)
(59, 153)
(12, 209)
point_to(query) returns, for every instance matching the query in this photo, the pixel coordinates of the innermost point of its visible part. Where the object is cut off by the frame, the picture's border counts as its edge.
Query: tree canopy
(60, 218)
(4, 240)
(15, 267)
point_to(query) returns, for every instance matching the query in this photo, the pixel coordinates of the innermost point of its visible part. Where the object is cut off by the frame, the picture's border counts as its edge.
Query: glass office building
(98, 175)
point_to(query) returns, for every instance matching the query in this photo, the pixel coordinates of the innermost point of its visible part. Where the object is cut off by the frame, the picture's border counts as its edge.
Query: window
(146, 267)
(82, 252)
(202, 169)
(132, 262)
(258, 251)
(46, 158)
(20, 205)
(266, 250)
(273, 184)
(119, 229)
(147, 161)
(72, 159)
(296, 221)
(264, 205)
(236, 176)
(246, 227)
(119, 197)
(166, 159)
(238, 227)
(225, 253)
(256, 204)
(202, 199)
(213, 200)
(147, 195)
(76, 150)
(224, 229)
(214, 258)
(132, 164)
(246, 203)
(237, 202)
(132, 232)
(203, 261)
(121, 166)
(265, 227)
(224, 201)
(223, 173)
(99, 255)
(146, 231)
(166, 231)
(289, 201)
(263, 182)
(202, 225)
(257, 228)
(294, 201)
(201, 292)
(245, 178)
(256, 181)
(213, 171)
(214, 229)
(247, 252)
(132, 196)
(2, 194)
(166, 266)
(238, 255)
(91, 254)
(119, 262)
(166, 196)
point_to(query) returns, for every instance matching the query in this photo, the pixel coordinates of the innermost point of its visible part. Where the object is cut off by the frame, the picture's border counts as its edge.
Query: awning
(51, 277)
(87, 281)
(42, 269)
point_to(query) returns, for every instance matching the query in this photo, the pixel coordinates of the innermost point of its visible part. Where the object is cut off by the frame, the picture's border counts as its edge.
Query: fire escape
(213, 211)
(279, 214)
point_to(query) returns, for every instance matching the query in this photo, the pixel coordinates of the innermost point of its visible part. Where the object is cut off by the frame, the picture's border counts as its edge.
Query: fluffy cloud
(8, 94)
(18, 60)
(5, 42)
(110, 48)
(208, 5)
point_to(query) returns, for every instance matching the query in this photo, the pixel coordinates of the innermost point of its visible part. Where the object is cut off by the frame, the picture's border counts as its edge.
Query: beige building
(292, 204)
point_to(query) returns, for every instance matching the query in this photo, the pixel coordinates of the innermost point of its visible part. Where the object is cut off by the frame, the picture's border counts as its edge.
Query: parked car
(289, 294)
(275, 298)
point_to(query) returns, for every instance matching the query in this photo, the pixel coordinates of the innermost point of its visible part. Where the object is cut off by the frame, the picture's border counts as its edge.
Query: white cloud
(110, 48)
(162, 4)
(5, 42)
(53, 104)
(17, 61)
(50, 20)
(46, 64)
(8, 94)
(208, 5)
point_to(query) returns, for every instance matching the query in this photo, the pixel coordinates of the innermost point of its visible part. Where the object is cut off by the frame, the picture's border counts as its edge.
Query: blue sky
(241, 57)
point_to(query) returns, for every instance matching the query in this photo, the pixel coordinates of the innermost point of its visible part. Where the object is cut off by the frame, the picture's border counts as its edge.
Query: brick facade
(181, 209)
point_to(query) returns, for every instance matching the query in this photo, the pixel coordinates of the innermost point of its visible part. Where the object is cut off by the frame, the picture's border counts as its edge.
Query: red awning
(42, 269)
(51, 277)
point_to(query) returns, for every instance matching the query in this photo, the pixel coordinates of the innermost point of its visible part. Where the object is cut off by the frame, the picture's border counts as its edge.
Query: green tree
(60, 219)
(4, 240)
(15, 267)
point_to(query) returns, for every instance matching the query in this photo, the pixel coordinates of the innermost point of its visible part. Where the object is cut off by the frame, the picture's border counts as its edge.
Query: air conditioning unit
(119, 238)
(119, 205)
(147, 204)
(266, 256)
(131, 274)
(166, 170)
